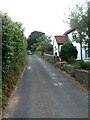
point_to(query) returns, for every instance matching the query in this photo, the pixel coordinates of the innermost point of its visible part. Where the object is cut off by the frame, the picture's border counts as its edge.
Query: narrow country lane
(44, 92)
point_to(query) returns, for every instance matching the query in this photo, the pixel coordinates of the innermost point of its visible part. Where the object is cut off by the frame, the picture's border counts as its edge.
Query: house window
(86, 53)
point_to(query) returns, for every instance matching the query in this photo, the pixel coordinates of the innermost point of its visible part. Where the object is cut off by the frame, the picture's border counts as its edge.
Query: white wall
(55, 47)
(77, 45)
(78, 49)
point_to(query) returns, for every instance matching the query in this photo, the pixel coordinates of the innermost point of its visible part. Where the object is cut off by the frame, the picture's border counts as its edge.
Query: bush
(29, 52)
(84, 65)
(13, 47)
(68, 52)
(14, 51)
(81, 65)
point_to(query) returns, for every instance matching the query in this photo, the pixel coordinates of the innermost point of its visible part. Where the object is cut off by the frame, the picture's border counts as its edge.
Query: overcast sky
(39, 15)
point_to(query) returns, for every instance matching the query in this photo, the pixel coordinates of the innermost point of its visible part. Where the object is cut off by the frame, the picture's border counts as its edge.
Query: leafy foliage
(68, 51)
(33, 37)
(79, 18)
(38, 41)
(14, 52)
(81, 64)
(43, 44)
(46, 47)
(34, 47)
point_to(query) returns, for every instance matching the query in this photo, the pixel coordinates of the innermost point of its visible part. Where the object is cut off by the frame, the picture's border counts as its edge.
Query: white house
(84, 51)
(59, 40)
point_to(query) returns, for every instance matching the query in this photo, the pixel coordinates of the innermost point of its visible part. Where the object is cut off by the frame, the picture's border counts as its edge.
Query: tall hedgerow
(14, 47)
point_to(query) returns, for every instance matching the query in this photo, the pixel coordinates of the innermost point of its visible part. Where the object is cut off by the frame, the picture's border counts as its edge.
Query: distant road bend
(44, 92)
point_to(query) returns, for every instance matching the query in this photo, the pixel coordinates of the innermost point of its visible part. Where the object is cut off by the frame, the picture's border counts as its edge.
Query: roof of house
(69, 31)
(61, 39)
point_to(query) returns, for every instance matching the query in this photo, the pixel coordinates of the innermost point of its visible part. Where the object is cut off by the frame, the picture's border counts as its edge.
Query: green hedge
(81, 64)
(68, 52)
(14, 50)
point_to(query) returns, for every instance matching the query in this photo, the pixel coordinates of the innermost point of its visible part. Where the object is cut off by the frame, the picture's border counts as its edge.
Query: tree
(88, 29)
(79, 18)
(68, 51)
(33, 37)
(34, 47)
(43, 42)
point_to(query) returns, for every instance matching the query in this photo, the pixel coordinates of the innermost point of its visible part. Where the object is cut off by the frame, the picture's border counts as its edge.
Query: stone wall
(70, 69)
(51, 58)
(83, 76)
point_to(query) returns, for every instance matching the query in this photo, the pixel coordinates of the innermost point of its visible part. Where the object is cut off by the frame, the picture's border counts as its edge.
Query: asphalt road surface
(44, 92)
